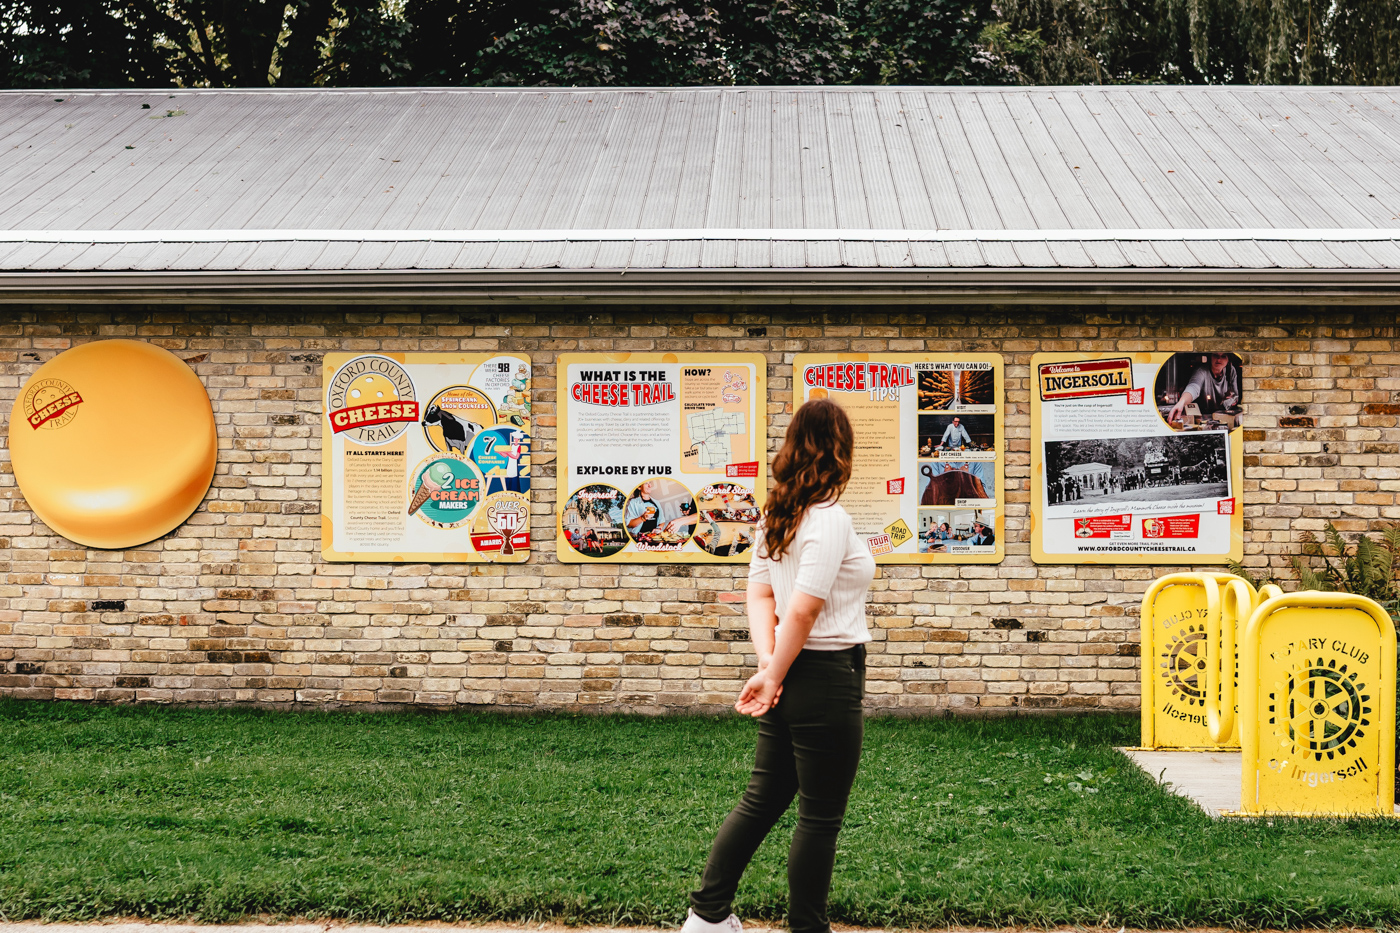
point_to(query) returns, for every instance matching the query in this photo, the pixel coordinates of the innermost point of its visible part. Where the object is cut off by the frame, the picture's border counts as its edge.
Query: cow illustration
(455, 431)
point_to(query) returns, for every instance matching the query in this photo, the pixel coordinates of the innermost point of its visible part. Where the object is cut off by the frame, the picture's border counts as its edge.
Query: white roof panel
(874, 180)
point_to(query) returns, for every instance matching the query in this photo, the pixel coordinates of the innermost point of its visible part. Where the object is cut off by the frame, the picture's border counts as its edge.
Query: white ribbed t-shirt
(827, 560)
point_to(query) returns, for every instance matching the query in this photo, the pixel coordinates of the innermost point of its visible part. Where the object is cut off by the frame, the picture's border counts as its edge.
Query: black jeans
(809, 746)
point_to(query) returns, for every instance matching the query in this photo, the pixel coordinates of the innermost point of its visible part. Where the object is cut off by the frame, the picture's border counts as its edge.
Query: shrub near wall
(236, 606)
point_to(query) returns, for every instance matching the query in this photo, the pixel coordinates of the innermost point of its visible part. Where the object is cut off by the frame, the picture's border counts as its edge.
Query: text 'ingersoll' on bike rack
(1317, 707)
(1191, 624)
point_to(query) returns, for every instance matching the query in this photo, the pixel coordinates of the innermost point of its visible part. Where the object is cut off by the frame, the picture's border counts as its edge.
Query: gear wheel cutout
(1320, 710)
(1184, 665)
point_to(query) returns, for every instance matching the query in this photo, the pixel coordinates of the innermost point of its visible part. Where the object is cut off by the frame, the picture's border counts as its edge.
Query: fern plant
(1367, 568)
(1266, 576)
(1370, 567)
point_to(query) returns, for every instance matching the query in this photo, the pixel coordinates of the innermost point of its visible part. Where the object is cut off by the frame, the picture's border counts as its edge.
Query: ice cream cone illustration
(434, 478)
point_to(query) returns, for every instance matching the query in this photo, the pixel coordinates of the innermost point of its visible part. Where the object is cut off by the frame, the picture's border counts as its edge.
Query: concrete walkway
(1211, 779)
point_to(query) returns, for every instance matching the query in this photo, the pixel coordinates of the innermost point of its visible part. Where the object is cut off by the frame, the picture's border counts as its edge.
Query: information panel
(662, 456)
(425, 457)
(926, 485)
(1137, 458)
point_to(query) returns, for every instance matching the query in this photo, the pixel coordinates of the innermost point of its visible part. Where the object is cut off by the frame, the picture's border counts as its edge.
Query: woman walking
(808, 583)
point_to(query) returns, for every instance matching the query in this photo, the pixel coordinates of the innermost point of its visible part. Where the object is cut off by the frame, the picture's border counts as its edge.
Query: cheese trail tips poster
(1137, 458)
(426, 457)
(661, 456)
(927, 480)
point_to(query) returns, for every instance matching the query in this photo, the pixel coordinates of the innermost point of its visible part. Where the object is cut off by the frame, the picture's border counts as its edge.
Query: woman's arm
(763, 688)
(1189, 394)
(763, 621)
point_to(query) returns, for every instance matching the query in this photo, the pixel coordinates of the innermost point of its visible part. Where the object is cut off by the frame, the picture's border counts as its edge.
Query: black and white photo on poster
(1164, 472)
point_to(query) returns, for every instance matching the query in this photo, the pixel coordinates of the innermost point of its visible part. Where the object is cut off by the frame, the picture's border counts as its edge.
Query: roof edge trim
(1286, 234)
(792, 286)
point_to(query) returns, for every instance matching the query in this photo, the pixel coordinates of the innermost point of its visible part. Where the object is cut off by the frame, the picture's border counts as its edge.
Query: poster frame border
(330, 364)
(998, 362)
(1036, 524)
(759, 393)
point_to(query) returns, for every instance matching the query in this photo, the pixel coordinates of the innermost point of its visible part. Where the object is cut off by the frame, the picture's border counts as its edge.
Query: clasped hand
(760, 693)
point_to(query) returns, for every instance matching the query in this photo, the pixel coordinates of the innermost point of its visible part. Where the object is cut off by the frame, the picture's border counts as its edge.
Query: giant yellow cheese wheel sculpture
(113, 443)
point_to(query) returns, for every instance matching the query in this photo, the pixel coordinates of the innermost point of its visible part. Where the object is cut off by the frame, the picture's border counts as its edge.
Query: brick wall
(236, 606)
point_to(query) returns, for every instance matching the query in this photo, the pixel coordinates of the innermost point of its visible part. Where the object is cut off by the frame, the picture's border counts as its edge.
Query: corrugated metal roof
(1102, 185)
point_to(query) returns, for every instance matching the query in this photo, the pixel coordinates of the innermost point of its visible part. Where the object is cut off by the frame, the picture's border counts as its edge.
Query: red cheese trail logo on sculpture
(51, 403)
(371, 400)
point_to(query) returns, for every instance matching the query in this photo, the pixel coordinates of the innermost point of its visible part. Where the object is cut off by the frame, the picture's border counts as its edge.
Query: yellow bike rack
(1190, 624)
(1317, 706)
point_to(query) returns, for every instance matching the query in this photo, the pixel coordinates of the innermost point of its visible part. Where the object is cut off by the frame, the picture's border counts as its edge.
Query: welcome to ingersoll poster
(1137, 457)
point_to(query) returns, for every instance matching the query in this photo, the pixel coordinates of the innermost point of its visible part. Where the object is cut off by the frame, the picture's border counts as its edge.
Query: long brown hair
(813, 466)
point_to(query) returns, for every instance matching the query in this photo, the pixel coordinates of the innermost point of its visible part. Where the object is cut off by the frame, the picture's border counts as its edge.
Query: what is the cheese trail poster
(927, 478)
(662, 457)
(426, 457)
(1137, 458)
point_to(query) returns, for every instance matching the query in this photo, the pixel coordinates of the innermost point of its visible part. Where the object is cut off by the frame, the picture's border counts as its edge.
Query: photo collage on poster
(929, 451)
(958, 457)
(426, 456)
(663, 456)
(1137, 458)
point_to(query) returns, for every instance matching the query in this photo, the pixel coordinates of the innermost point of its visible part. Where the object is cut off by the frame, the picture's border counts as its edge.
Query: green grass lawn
(218, 815)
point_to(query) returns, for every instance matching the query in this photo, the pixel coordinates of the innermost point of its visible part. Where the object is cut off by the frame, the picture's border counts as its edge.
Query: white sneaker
(694, 923)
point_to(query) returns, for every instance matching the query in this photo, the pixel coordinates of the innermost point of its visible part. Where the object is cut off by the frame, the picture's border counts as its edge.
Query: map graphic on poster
(425, 457)
(927, 478)
(661, 456)
(1137, 458)
(711, 430)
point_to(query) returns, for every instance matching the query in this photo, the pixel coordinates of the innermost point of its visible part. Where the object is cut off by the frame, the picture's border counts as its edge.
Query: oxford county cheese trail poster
(927, 479)
(1137, 458)
(426, 457)
(662, 456)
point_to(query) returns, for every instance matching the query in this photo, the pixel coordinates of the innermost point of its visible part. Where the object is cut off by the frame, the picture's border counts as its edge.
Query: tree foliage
(294, 43)
(77, 43)
(1196, 41)
(200, 43)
